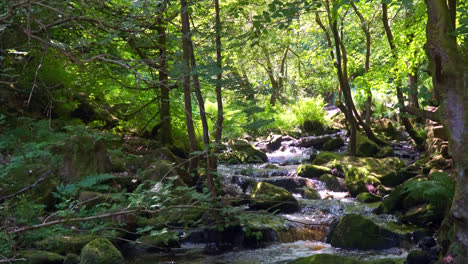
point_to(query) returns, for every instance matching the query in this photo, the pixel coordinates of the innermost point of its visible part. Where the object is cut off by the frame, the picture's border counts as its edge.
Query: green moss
(161, 239)
(366, 197)
(40, 257)
(65, 244)
(163, 170)
(333, 183)
(333, 143)
(366, 147)
(101, 251)
(269, 197)
(384, 152)
(312, 194)
(325, 157)
(311, 171)
(357, 232)
(243, 152)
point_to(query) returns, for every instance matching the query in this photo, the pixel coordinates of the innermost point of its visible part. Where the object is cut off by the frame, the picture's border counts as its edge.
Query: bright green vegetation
(114, 117)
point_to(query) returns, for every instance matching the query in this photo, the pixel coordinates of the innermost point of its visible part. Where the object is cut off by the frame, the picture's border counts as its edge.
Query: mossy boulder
(312, 194)
(101, 251)
(84, 155)
(357, 232)
(333, 143)
(395, 178)
(40, 257)
(418, 257)
(71, 259)
(333, 183)
(336, 259)
(161, 239)
(65, 244)
(242, 152)
(269, 197)
(312, 171)
(326, 157)
(164, 170)
(422, 200)
(313, 127)
(384, 152)
(366, 147)
(366, 197)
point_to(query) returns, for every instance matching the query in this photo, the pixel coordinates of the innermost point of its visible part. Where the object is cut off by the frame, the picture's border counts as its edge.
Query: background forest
(114, 117)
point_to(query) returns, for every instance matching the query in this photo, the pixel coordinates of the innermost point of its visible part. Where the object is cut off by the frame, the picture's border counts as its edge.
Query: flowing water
(306, 231)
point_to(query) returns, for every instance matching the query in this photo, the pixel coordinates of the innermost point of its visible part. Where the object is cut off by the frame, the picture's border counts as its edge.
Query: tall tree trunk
(187, 90)
(165, 113)
(401, 99)
(198, 94)
(343, 80)
(450, 80)
(413, 89)
(219, 76)
(365, 29)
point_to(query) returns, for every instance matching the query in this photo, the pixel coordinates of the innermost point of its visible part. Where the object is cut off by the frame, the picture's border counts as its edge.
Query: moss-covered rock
(418, 257)
(313, 127)
(100, 251)
(325, 157)
(333, 143)
(312, 194)
(366, 147)
(357, 232)
(312, 171)
(40, 257)
(333, 183)
(163, 170)
(65, 244)
(160, 240)
(84, 155)
(384, 152)
(366, 197)
(71, 259)
(266, 196)
(243, 152)
(423, 200)
(336, 259)
(395, 178)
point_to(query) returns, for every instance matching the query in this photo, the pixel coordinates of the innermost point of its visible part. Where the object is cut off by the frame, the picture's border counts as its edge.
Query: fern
(439, 190)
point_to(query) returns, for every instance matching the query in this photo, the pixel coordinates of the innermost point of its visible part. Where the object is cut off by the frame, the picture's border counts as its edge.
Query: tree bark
(450, 80)
(401, 99)
(165, 113)
(187, 90)
(219, 76)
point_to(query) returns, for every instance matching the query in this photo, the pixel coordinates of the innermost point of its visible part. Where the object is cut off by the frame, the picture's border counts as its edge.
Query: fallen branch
(42, 178)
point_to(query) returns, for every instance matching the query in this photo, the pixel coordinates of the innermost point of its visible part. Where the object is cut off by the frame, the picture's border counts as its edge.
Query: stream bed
(307, 230)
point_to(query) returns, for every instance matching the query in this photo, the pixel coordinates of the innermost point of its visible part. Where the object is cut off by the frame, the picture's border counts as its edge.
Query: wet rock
(160, 240)
(325, 157)
(101, 251)
(366, 197)
(418, 257)
(314, 141)
(243, 152)
(312, 171)
(312, 194)
(333, 144)
(333, 183)
(274, 142)
(357, 232)
(266, 196)
(40, 257)
(291, 184)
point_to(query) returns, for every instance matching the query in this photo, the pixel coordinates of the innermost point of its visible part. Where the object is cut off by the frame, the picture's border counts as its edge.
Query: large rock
(266, 196)
(366, 147)
(243, 152)
(40, 257)
(325, 157)
(333, 183)
(423, 201)
(65, 244)
(101, 251)
(333, 144)
(82, 156)
(163, 170)
(357, 232)
(314, 141)
(312, 171)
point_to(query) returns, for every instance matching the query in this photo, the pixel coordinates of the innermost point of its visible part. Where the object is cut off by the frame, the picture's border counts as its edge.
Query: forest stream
(307, 231)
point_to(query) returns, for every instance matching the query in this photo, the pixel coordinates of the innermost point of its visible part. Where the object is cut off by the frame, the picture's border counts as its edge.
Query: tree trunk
(187, 91)
(188, 45)
(401, 99)
(450, 80)
(413, 89)
(165, 113)
(219, 98)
